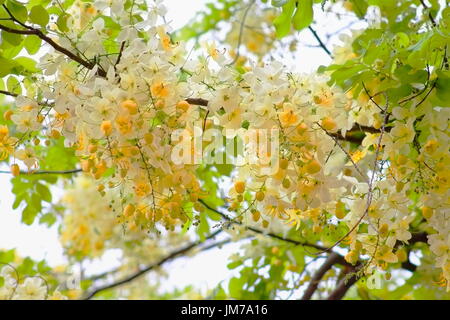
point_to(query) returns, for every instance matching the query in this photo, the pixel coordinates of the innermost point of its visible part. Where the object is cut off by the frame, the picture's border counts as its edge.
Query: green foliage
(299, 14)
(18, 10)
(303, 16)
(264, 276)
(397, 59)
(206, 21)
(26, 267)
(39, 16)
(32, 191)
(13, 85)
(32, 44)
(283, 22)
(57, 157)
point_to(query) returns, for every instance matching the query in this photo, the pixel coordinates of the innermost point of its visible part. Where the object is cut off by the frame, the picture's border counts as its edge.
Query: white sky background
(205, 270)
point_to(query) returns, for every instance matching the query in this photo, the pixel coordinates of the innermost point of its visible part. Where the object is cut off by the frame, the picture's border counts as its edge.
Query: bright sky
(206, 269)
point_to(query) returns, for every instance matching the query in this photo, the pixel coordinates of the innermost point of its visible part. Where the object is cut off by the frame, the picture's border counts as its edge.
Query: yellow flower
(142, 188)
(159, 90)
(106, 128)
(288, 118)
(130, 105)
(294, 218)
(358, 155)
(124, 124)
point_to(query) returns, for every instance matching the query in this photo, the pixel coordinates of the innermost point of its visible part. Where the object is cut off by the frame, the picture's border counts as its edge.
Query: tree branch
(72, 171)
(343, 286)
(7, 93)
(269, 234)
(332, 259)
(197, 101)
(321, 43)
(241, 32)
(429, 13)
(146, 269)
(32, 31)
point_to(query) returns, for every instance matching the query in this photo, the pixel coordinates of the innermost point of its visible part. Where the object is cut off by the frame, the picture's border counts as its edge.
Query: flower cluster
(121, 115)
(29, 288)
(92, 224)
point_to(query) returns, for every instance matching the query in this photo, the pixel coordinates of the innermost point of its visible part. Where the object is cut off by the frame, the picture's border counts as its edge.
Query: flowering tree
(168, 144)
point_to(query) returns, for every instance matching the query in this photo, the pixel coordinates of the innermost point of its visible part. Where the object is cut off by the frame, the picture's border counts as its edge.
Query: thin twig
(32, 31)
(321, 43)
(241, 31)
(143, 271)
(269, 234)
(345, 151)
(72, 171)
(370, 96)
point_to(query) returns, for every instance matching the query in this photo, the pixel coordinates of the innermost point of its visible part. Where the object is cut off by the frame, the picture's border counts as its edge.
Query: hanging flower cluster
(122, 112)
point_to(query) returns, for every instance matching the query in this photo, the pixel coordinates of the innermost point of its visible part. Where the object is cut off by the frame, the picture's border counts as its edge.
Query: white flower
(28, 157)
(26, 121)
(31, 289)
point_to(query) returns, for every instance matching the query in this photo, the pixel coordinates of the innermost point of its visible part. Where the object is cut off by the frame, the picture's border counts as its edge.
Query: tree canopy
(165, 143)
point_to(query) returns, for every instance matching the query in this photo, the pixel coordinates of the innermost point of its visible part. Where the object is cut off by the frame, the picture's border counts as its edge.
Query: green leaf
(26, 267)
(27, 63)
(18, 200)
(42, 267)
(44, 192)
(36, 202)
(7, 256)
(62, 22)
(282, 23)
(5, 67)
(13, 85)
(12, 38)
(303, 17)
(359, 7)
(279, 3)
(219, 294)
(235, 287)
(234, 264)
(443, 86)
(18, 10)
(39, 16)
(49, 219)
(29, 214)
(10, 51)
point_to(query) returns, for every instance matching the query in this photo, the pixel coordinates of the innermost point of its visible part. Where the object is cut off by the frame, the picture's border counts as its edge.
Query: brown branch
(343, 285)
(349, 138)
(115, 270)
(269, 234)
(197, 101)
(371, 97)
(429, 13)
(17, 31)
(332, 259)
(146, 269)
(46, 172)
(7, 93)
(346, 283)
(32, 31)
(119, 57)
(426, 96)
